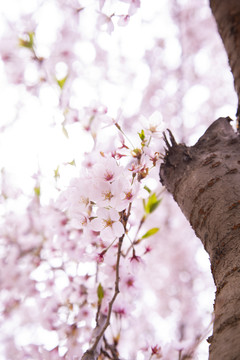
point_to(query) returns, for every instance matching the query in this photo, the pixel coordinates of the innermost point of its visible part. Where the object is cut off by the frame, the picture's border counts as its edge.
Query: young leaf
(142, 135)
(150, 233)
(31, 39)
(72, 163)
(28, 42)
(152, 203)
(37, 191)
(100, 293)
(56, 173)
(61, 82)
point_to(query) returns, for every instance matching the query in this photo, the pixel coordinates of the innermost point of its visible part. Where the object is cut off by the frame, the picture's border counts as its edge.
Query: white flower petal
(107, 234)
(96, 224)
(114, 215)
(118, 228)
(103, 213)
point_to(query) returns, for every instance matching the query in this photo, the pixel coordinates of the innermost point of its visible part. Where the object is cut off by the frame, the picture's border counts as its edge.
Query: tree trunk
(227, 16)
(205, 182)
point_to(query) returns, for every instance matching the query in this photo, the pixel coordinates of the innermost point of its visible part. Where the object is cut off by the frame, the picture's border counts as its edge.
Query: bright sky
(31, 143)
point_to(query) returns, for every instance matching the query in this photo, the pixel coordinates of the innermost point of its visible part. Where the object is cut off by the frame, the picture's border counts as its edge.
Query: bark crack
(225, 280)
(231, 321)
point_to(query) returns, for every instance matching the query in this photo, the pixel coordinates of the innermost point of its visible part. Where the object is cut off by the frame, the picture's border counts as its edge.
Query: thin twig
(90, 352)
(134, 242)
(116, 292)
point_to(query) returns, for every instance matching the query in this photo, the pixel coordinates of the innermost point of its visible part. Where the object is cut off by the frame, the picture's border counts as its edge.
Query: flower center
(108, 222)
(108, 195)
(128, 195)
(108, 176)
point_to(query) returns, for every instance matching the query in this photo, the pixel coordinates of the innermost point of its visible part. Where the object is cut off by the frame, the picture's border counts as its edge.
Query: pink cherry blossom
(107, 169)
(107, 222)
(107, 194)
(76, 197)
(134, 5)
(79, 220)
(154, 126)
(136, 263)
(101, 4)
(123, 20)
(156, 350)
(129, 191)
(105, 22)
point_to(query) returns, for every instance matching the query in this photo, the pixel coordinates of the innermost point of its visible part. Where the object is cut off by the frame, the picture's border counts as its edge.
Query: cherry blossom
(107, 169)
(101, 4)
(108, 223)
(134, 5)
(129, 191)
(106, 194)
(76, 198)
(105, 21)
(123, 20)
(154, 126)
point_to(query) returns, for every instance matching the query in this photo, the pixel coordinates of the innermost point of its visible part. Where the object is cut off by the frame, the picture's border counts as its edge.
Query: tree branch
(91, 354)
(104, 320)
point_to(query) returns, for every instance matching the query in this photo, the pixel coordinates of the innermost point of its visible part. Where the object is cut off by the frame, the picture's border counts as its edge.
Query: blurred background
(70, 68)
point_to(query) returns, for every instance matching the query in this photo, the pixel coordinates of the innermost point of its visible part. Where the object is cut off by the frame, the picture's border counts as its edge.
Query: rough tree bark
(227, 16)
(205, 182)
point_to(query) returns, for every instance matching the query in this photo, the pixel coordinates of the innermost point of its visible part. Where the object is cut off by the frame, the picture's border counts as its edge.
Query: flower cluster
(92, 223)
(99, 199)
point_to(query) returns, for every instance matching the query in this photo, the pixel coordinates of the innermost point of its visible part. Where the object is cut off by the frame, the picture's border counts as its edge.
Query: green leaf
(37, 191)
(61, 82)
(56, 173)
(142, 135)
(150, 233)
(31, 38)
(100, 293)
(28, 42)
(152, 203)
(72, 163)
